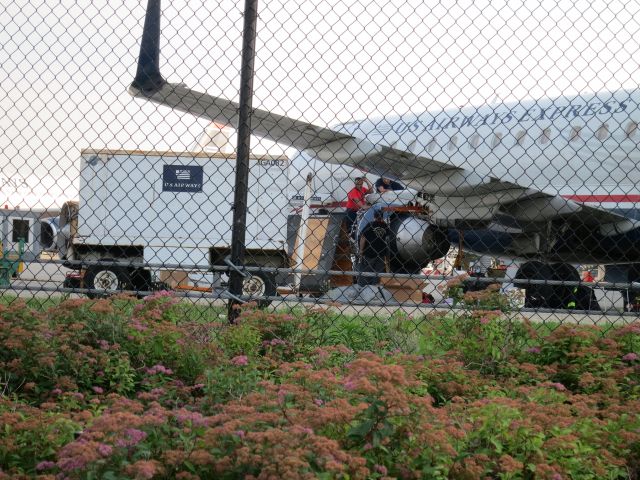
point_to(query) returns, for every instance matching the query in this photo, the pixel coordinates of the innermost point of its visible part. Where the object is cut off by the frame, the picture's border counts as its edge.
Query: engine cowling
(415, 243)
(48, 232)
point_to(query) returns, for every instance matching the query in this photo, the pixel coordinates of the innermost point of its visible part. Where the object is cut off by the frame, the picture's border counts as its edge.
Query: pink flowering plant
(122, 388)
(491, 298)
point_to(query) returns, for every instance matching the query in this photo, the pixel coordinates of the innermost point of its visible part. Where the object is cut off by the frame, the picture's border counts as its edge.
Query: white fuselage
(583, 148)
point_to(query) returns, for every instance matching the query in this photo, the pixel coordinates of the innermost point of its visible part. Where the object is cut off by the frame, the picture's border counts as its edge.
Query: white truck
(144, 214)
(141, 213)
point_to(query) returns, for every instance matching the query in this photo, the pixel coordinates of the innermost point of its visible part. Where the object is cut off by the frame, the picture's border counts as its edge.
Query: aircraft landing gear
(537, 294)
(552, 296)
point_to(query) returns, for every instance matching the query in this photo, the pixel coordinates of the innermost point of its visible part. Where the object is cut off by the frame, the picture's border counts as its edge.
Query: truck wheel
(110, 278)
(257, 285)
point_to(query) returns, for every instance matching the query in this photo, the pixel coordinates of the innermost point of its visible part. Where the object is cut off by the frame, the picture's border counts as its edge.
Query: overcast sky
(65, 66)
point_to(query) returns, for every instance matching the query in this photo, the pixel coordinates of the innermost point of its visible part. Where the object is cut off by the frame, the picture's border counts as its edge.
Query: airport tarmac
(41, 274)
(31, 287)
(44, 279)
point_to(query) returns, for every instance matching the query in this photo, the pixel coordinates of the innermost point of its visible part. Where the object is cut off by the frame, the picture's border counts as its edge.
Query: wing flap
(542, 207)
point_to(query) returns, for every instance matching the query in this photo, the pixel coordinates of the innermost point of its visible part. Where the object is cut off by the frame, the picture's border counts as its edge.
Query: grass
(37, 303)
(426, 334)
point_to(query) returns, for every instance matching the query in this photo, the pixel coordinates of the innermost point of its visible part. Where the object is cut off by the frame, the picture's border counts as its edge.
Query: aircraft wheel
(537, 296)
(563, 295)
(633, 275)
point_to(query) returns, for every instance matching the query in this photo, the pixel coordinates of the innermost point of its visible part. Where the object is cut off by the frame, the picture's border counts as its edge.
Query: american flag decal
(183, 175)
(182, 178)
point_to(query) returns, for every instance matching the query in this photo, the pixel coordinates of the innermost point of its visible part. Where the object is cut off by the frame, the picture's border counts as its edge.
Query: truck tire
(259, 284)
(113, 279)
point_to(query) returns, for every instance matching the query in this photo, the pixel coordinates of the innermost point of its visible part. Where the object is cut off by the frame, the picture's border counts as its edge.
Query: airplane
(552, 182)
(35, 202)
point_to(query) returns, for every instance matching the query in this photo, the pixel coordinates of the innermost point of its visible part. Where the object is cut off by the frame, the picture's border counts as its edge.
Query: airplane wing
(323, 143)
(456, 185)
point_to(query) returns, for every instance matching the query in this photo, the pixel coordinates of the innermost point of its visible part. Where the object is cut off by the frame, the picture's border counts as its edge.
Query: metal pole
(243, 151)
(302, 232)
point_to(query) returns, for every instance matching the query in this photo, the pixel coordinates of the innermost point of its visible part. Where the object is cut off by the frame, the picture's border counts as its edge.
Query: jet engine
(415, 243)
(49, 228)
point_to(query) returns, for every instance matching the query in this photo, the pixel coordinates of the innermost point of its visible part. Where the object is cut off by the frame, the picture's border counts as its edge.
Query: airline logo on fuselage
(13, 183)
(534, 113)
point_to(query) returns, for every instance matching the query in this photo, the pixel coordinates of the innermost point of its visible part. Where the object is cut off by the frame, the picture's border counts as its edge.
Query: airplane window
(632, 128)
(603, 132)
(474, 141)
(497, 139)
(545, 136)
(575, 134)
(431, 146)
(453, 143)
(521, 137)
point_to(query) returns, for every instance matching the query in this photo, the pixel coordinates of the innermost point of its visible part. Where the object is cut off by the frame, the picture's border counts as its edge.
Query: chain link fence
(405, 159)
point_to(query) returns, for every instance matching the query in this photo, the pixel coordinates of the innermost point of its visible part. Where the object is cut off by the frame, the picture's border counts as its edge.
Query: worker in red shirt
(356, 201)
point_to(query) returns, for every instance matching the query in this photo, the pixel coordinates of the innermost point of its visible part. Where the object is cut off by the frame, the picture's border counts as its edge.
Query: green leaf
(496, 443)
(361, 430)
(387, 429)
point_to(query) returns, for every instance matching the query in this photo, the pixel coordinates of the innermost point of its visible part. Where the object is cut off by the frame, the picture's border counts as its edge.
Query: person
(374, 249)
(384, 184)
(356, 200)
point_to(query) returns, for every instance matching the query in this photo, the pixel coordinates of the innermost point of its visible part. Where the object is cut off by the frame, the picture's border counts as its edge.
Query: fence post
(243, 152)
(302, 233)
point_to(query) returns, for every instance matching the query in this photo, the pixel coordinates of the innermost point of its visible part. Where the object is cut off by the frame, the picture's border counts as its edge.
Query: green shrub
(240, 339)
(29, 436)
(122, 388)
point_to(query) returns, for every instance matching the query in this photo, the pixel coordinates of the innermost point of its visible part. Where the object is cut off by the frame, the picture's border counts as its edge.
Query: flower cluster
(122, 388)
